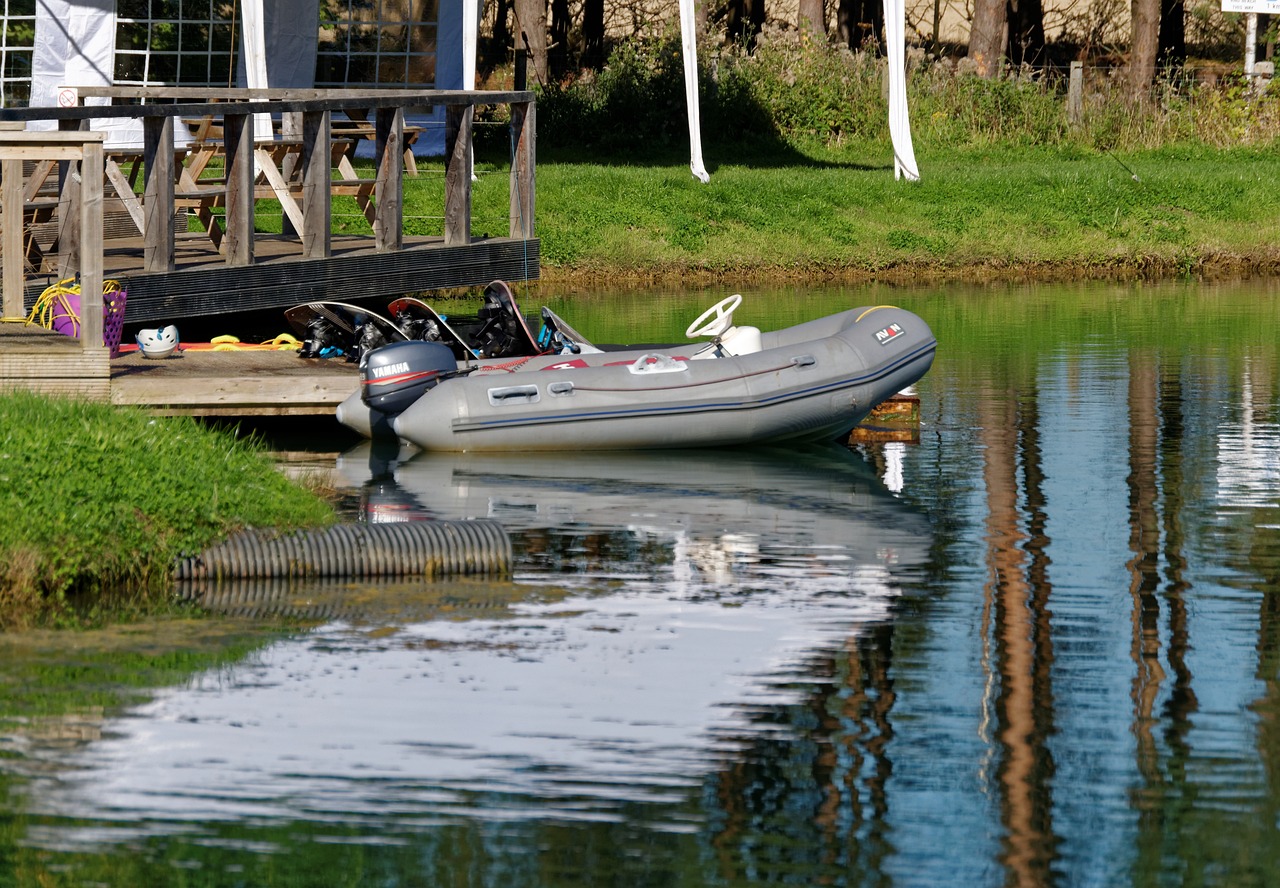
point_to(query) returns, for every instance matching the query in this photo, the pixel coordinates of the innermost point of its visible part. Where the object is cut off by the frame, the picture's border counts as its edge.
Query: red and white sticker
(887, 334)
(68, 97)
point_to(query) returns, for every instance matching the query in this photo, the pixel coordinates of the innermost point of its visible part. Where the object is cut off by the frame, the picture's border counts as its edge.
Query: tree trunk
(1142, 55)
(531, 35)
(1173, 34)
(859, 22)
(813, 17)
(1026, 32)
(558, 60)
(501, 30)
(988, 35)
(593, 34)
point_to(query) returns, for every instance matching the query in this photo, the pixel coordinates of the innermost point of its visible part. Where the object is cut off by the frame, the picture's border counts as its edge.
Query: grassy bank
(796, 140)
(101, 499)
(1032, 212)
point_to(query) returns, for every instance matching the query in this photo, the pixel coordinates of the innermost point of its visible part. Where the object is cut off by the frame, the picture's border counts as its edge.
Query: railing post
(238, 145)
(157, 194)
(15, 258)
(317, 193)
(457, 174)
(388, 225)
(523, 165)
(91, 175)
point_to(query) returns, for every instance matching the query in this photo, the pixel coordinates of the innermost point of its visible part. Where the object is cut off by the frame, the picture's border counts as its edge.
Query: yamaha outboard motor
(394, 376)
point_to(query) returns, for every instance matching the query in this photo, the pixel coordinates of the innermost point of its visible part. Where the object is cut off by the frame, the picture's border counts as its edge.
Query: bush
(789, 92)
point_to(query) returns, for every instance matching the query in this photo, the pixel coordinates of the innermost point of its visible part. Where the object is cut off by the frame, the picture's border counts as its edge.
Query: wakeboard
(338, 329)
(503, 331)
(418, 320)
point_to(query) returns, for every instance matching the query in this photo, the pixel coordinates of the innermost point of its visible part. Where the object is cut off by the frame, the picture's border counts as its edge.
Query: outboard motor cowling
(394, 376)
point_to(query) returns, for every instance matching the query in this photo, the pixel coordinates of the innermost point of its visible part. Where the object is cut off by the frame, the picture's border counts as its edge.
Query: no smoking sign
(67, 97)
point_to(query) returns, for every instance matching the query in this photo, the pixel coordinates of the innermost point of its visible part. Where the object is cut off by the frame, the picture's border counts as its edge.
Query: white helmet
(158, 343)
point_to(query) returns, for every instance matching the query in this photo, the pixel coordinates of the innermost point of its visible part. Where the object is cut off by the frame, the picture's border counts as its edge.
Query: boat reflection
(698, 522)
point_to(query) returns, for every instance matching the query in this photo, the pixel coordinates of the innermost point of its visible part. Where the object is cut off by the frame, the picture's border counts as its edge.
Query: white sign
(1260, 7)
(68, 97)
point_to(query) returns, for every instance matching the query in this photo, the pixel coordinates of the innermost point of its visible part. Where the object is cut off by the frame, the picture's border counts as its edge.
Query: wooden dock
(228, 266)
(75, 207)
(193, 381)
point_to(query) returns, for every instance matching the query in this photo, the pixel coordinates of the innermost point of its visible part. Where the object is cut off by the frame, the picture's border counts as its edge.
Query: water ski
(503, 332)
(336, 329)
(417, 320)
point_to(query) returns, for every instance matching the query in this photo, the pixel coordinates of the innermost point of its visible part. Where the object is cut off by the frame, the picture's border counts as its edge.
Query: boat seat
(741, 340)
(732, 342)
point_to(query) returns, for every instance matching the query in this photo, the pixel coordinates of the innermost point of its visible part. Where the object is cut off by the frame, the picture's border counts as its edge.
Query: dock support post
(317, 199)
(388, 226)
(14, 255)
(157, 194)
(457, 174)
(523, 164)
(238, 145)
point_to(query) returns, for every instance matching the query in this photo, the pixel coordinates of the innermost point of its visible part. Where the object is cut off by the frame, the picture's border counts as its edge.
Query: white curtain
(689, 40)
(895, 36)
(75, 46)
(253, 49)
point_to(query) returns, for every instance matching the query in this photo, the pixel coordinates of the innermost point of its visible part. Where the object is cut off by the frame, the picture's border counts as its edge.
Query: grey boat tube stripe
(463, 425)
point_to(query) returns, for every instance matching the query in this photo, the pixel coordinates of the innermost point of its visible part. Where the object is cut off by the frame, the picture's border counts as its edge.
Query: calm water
(1037, 645)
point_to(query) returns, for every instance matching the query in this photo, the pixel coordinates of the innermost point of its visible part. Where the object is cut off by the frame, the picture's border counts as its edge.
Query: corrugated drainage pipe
(409, 548)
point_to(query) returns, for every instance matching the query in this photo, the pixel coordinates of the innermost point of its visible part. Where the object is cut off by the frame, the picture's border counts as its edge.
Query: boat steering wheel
(723, 320)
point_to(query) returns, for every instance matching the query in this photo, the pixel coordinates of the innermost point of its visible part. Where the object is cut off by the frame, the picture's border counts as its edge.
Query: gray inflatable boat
(814, 381)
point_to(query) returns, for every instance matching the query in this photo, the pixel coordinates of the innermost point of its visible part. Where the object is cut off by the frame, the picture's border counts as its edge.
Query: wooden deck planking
(232, 383)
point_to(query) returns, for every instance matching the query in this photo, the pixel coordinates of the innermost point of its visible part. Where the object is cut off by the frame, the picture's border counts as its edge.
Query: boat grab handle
(564, 387)
(803, 361)
(513, 394)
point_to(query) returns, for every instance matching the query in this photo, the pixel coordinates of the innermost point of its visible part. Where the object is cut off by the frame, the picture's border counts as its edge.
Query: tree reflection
(1016, 610)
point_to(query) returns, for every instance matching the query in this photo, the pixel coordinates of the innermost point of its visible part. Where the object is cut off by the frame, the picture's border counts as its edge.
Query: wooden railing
(82, 231)
(306, 183)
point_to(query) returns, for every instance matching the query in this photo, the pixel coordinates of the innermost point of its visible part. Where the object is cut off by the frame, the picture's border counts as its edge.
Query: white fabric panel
(75, 46)
(689, 43)
(284, 55)
(895, 36)
(253, 49)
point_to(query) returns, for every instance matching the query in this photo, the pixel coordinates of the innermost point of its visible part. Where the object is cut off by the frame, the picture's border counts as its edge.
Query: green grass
(1050, 211)
(97, 498)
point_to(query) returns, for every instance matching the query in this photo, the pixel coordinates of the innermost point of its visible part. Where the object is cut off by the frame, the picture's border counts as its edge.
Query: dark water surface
(1036, 645)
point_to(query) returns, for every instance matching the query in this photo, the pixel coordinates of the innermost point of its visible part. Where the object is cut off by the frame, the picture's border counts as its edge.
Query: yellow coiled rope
(53, 304)
(283, 342)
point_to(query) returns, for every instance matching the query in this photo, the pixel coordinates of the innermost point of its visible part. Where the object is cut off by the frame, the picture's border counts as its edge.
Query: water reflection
(1038, 645)
(666, 608)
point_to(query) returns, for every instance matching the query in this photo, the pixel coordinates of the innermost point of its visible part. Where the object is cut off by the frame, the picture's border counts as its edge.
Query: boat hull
(814, 381)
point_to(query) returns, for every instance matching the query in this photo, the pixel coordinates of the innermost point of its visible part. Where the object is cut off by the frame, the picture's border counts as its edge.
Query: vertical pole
(457, 174)
(1250, 43)
(317, 190)
(1075, 94)
(15, 258)
(157, 194)
(523, 164)
(237, 142)
(388, 227)
(91, 175)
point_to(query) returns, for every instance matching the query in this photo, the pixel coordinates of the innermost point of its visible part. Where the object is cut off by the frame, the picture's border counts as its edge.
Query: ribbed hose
(409, 548)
